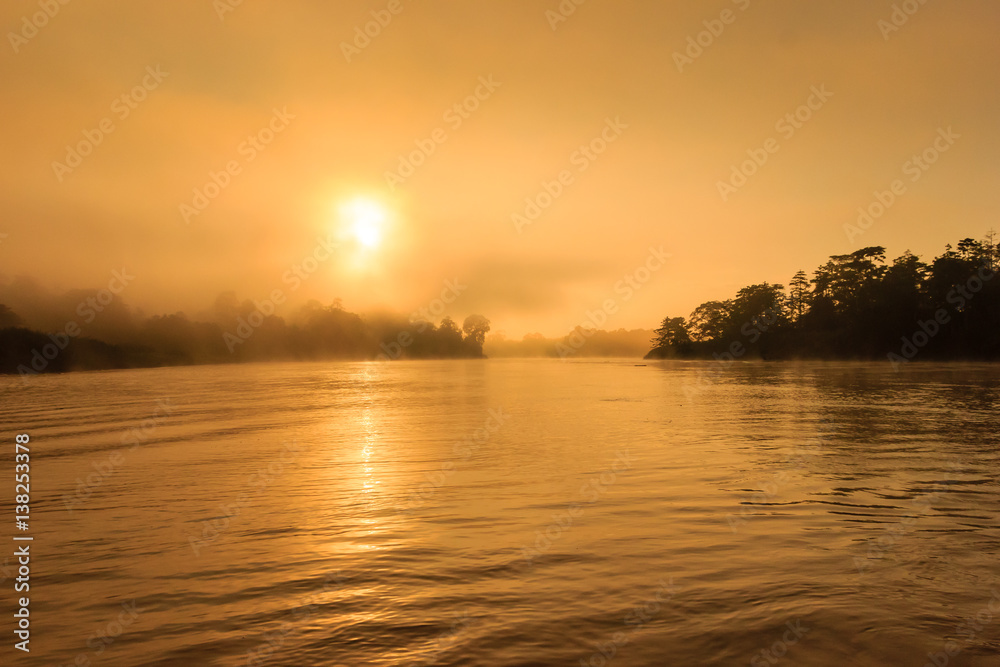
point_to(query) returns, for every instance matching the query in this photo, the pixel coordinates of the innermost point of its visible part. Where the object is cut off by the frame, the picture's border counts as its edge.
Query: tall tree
(708, 321)
(993, 249)
(798, 296)
(672, 333)
(476, 327)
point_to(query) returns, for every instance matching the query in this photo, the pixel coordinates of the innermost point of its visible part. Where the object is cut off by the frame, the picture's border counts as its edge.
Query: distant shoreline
(707, 360)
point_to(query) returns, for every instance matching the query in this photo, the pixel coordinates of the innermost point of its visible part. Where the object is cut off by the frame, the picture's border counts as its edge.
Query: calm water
(511, 513)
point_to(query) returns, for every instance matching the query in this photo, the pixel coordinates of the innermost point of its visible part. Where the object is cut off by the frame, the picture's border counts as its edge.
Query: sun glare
(364, 221)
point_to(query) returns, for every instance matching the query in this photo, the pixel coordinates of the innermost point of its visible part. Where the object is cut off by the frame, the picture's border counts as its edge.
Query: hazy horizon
(534, 332)
(41, 305)
(339, 120)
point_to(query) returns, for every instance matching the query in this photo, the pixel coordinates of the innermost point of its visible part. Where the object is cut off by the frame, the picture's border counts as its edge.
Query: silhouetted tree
(708, 321)
(672, 337)
(861, 308)
(798, 296)
(450, 337)
(476, 327)
(236, 331)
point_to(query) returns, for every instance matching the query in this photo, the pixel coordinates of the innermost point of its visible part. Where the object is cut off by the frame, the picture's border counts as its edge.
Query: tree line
(578, 343)
(855, 306)
(58, 339)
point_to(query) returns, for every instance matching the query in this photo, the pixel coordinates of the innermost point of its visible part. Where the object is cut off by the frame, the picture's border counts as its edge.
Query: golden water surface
(511, 513)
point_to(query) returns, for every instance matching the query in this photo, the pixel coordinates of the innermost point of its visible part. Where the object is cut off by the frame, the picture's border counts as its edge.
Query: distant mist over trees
(855, 306)
(580, 342)
(94, 329)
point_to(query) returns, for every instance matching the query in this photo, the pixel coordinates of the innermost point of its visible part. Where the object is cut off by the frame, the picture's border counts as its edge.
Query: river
(511, 512)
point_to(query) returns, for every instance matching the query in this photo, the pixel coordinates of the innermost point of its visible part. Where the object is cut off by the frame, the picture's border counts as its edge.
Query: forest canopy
(88, 330)
(855, 306)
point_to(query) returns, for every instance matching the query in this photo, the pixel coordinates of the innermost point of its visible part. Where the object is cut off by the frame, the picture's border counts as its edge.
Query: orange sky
(345, 116)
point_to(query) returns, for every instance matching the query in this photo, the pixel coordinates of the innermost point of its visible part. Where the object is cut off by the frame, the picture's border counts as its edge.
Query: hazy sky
(338, 123)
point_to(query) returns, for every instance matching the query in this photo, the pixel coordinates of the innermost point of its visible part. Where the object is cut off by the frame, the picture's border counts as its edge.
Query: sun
(364, 221)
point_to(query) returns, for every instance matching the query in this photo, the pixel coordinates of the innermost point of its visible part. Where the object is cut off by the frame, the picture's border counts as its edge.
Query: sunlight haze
(496, 103)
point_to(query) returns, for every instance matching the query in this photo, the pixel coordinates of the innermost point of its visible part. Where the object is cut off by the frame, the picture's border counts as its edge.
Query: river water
(510, 512)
